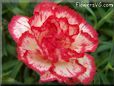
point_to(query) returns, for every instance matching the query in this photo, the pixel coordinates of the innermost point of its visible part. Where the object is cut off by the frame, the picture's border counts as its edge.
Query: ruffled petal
(68, 69)
(36, 62)
(17, 26)
(71, 81)
(47, 77)
(29, 53)
(87, 28)
(44, 5)
(88, 62)
(72, 16)
(83, 42)
(63, 22)
(41, 12)
(73, 30)
(26, 42)
(69, 75)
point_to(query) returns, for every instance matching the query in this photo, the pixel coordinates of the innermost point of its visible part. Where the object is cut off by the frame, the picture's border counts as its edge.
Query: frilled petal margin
(81, 70)
(47, 77)
(88, 62)
(17, 26)
(68, 69)
(65, 12)
(41, 12)
(29, 53)
(84, 43)
(46, 9)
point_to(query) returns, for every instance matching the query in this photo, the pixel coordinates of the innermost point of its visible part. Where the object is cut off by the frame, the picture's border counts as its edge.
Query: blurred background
(101, 18)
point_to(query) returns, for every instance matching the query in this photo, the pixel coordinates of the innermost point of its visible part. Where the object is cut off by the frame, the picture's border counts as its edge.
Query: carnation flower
(54, 42)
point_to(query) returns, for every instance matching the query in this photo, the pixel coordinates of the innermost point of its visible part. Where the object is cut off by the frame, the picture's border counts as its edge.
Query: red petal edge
(84, 43)
(17, 26)
(69, 69)
(44, 6)
(31, 56)
(88, 62)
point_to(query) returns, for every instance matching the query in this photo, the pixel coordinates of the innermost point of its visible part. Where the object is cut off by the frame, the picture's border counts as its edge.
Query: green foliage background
(101, 18)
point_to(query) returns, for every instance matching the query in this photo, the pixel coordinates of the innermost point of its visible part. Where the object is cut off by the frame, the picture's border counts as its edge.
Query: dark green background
(102, 18)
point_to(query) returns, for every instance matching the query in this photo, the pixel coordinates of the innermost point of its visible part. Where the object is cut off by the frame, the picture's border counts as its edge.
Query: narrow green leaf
(111, 57)
(4, 74)
(101, 12)
(107, 16)
(4, 47)
(96, 79)
(9, 80)
(58, 1)
(29, 80)
(104, 47)
(11, 49)
(104, 79)
(26, 74)
(108, 32)
(17, 10)
(93, 14)
(24, 3)
(9, 65)
(16, 69)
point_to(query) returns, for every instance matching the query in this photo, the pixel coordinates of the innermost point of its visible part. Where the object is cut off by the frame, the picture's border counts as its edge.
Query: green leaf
(4, 45)
(93, 14)
(11, 50)
(101, 11)
(108, 15)
(29, 80)
(24, 3)
(108, 32)
(96, 79)
(26, 74)
(104, 47)
(111, 57)
(9, 80)
(17, 10)
(5, 74)
(104, 79)
(16, 69)
(102, 62)
(8, 65)
(58, 1)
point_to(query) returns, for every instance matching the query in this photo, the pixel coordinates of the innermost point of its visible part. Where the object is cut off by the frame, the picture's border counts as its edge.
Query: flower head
(54, 42)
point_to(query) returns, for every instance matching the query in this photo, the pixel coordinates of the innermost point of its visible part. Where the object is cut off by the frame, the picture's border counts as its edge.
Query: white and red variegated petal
(37, 62)
(83, 42)
(72, 16)
(50, 76)
(68, 69)
(29, 53)
(88, 62)
(17, 26)
(63, 22)
(73, 30)
(44, 5)
(87, 28)
(38, 19)
(47, 77)
(71, 81)
(26, 42)
(41, 12)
